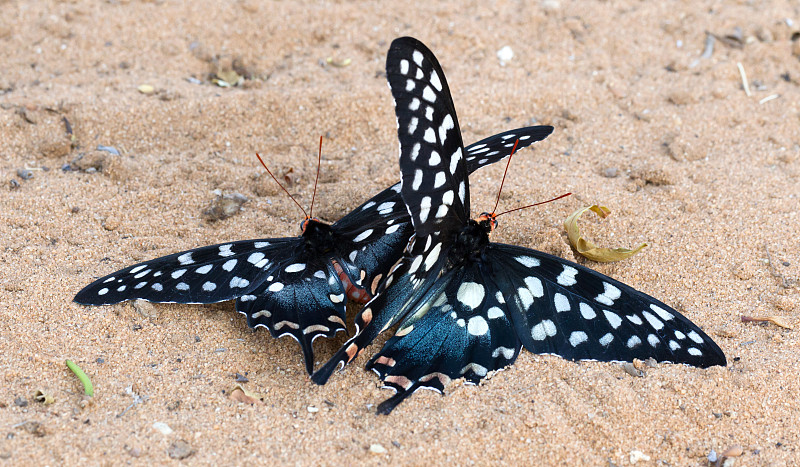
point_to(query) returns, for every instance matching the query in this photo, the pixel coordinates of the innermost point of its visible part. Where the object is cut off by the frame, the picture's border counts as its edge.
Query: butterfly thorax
(319, 236)
(469, 242)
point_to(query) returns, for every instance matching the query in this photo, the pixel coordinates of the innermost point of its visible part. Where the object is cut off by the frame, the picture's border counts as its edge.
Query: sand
(668, 139)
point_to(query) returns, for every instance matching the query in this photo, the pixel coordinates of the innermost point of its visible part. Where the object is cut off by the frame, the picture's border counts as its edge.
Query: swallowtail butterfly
(465, 306)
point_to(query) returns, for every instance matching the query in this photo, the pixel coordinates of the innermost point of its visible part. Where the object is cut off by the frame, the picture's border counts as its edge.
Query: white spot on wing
(567, 276)
(561, 302)
(613, 319)
(528, 261)
(230, 264)
(471, 294)
(606, 339)
(477, 326)
(209, 287)
(296, 267)
(577, 338)
(586, 311)
(363, 235)
(544, 329)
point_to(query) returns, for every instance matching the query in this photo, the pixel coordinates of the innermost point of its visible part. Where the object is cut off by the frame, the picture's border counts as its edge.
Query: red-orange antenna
(535, 204)
(319, 162)
(497, 202)
(282, 188)
(504, 175)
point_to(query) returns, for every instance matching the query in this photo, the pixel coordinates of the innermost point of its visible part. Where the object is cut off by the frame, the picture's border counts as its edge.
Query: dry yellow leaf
(44, 397)
(586, 247)
(240, 394)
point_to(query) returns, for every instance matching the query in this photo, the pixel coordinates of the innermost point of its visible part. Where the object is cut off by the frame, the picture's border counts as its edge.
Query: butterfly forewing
(378, 232)
(497, 147)
(562, 308)
(432, 159)
(204, 275)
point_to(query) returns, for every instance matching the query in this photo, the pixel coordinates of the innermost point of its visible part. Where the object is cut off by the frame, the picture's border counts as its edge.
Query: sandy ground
(667, 139)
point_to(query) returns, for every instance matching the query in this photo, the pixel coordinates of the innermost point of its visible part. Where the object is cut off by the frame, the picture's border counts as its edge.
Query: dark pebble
(137, 327)
(24, 174)
(21, 402)
(241, 378)
(13, 184)
(100, 360)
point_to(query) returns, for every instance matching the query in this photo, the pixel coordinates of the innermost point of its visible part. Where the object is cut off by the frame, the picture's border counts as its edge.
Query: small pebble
(100, 360)
(180, 450)
(242, 379)
(312, 409)
(610, 172)
(377, 449)
(224, 206)
(109, 149)
(712, 456)
(21, 402)
(163, 428)
(637, 456)
(13, 184)
(505, 55)
(24, 174)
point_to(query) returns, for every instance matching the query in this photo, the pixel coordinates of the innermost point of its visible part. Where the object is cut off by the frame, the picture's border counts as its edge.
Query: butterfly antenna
(535, 204)
(504, 175)
(282, 188)
(319, 162)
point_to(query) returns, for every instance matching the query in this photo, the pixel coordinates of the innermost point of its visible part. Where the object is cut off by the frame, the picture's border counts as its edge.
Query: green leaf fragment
(88, 389)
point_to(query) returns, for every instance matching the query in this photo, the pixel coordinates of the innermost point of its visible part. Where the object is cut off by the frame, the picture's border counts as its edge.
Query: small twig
(137, 399)
(87, 383)
(787, 283)
(744, 79)
(769, 98)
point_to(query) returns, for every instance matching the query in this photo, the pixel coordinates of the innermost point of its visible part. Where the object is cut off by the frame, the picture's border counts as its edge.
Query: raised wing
(498, 147)
(435, 186)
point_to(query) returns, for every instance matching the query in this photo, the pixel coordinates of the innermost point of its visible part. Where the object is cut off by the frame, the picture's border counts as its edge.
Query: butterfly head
(488, 220)
(305, 223)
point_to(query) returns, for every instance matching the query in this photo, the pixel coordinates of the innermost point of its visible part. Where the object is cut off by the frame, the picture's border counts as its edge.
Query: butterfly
(465, 306)
(295, 286)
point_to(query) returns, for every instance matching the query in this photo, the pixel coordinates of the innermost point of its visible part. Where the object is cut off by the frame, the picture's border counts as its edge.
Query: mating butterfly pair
(465, 306)
(293, 286)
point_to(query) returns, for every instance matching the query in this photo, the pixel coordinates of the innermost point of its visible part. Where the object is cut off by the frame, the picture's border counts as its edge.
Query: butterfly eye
(304, 224)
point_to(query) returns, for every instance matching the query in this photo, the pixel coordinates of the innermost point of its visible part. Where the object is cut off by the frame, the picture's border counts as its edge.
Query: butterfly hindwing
(302, 298)
(462, 333)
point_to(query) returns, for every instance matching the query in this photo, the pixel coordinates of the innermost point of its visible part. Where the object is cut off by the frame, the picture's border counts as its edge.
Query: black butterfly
(294, 286)
(465, 306)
